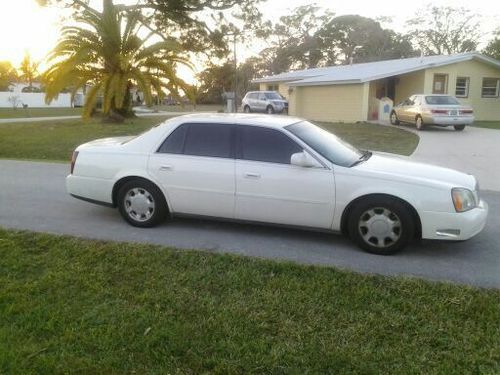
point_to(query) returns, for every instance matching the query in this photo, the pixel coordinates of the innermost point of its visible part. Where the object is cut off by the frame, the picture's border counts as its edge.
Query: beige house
(351, 93)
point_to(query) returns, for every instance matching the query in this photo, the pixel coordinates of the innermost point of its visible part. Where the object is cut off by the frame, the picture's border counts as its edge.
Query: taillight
(466, 112)
(73, 160)
(440, 111)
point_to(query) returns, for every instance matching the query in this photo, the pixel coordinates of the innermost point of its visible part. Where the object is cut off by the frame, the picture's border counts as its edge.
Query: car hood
(394, 166)
(279, 101)
(106, 142)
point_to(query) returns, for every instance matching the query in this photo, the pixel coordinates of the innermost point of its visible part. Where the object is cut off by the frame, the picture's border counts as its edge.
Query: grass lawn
(487, 124)
(375, 137)
(38, 112)
(72, 305)
(56, 140)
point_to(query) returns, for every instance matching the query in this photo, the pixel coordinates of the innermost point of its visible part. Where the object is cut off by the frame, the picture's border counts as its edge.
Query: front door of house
(439, 84)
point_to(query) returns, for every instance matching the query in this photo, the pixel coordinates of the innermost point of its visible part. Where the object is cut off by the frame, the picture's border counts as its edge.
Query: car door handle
(252, 175)
(166, 168)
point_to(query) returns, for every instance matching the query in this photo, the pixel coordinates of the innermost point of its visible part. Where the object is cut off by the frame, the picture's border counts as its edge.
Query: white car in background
(276, 170)
(440, 110)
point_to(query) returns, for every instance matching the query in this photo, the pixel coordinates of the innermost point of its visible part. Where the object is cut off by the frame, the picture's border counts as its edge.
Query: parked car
(440, 110)
(276, 170)
(264, 101)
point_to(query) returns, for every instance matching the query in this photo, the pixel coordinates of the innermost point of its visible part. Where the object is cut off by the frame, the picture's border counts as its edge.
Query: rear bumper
(454, 226)
(448, 120)
(90, 189)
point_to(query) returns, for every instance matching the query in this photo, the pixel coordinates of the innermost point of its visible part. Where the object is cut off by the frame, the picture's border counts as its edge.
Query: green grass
(375, 137)
(487, 124)
(38, 112)
(56, 140)
(72, 305)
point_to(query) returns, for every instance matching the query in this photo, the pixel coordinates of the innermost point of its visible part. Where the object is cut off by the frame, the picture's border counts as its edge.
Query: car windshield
(273, 96)
(326, 144)
(441, 100)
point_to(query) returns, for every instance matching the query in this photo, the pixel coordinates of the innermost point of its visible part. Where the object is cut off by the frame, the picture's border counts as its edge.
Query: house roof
(359, 73)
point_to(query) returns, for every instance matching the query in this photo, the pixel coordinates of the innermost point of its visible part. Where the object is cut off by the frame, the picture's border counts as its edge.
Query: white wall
(33, 100)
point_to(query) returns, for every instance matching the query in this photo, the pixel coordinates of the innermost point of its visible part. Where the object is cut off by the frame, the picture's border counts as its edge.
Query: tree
(104, 51)
(200, 26)
(360, 39)
(493, 47)
(8, 75)
(29, 69)
(445, 30)
(293, 41)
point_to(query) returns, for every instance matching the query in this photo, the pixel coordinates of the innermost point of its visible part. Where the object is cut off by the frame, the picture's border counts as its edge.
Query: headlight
(279, 104)
(463, 199)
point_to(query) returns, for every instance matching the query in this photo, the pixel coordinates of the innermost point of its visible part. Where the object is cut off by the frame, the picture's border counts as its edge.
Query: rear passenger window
(213, 140)
(268, 145)
(174, 144)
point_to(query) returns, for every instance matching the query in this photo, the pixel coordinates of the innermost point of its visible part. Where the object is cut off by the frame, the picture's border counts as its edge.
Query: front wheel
(246, 109)
(459, 127)
(141, 203)
(381, 225)
(270, 109)
(394, 118)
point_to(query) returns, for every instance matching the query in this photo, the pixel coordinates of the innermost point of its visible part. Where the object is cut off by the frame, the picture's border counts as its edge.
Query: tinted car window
(441, 100)
(174, 144)
(208, 140)
(199, 139)
(268, 145)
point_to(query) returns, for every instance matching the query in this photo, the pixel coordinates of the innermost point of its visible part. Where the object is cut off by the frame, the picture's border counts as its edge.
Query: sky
(24, 26)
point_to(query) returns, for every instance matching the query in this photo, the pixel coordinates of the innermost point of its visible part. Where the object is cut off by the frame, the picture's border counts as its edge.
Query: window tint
(199, 139)
(208, 140)
(175, 141)
(268, 145)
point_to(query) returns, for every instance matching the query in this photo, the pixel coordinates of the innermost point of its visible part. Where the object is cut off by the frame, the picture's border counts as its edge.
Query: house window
(439, 84)
(462, 87)
(272, 87)
(490, 87)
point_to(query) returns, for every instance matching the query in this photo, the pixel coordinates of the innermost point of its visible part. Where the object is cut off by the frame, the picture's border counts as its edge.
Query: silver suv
(264, 101)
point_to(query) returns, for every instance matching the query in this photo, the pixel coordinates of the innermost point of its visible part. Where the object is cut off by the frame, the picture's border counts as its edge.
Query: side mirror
(303, 159)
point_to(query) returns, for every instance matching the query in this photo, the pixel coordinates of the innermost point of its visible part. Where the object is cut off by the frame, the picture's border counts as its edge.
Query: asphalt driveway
(33, 197)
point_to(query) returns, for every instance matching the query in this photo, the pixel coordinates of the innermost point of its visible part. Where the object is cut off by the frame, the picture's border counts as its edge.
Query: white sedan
(277, 170)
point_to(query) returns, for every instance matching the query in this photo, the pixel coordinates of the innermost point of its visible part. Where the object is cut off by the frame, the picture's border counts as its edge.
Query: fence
(32, 100)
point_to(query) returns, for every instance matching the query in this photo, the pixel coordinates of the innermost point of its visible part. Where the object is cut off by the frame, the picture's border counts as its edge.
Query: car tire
(270, 109)
(141, 203)
(247, 109)
(459, 127)
(381, 225)
(419, 123)
(394, 118)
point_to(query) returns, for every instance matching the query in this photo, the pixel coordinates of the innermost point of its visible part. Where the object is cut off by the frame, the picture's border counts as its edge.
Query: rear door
(270, 189)
(195, 165)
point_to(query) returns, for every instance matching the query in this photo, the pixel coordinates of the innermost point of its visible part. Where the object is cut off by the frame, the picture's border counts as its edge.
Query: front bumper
(454, 226)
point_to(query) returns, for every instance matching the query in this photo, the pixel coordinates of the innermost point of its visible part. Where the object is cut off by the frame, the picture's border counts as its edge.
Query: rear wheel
(141, 203)
(247, 109)
(419, 123)
(459, 127)
(270, 109)
(381, 225)
(394, 118)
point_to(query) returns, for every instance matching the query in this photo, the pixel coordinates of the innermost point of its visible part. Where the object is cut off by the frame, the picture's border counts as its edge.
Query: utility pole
(235, 75)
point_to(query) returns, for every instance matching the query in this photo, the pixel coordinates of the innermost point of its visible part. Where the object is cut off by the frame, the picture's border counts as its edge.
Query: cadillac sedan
(276, 170)
(440, 110)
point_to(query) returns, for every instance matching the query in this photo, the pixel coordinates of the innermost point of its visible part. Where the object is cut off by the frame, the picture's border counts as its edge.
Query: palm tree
(106, 54)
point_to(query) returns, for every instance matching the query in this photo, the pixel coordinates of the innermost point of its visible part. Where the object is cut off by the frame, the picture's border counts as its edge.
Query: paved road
(474, 150)
(32, 197)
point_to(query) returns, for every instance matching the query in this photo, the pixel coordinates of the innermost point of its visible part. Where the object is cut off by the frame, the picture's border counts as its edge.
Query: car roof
(274, 121)
(243, 119)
